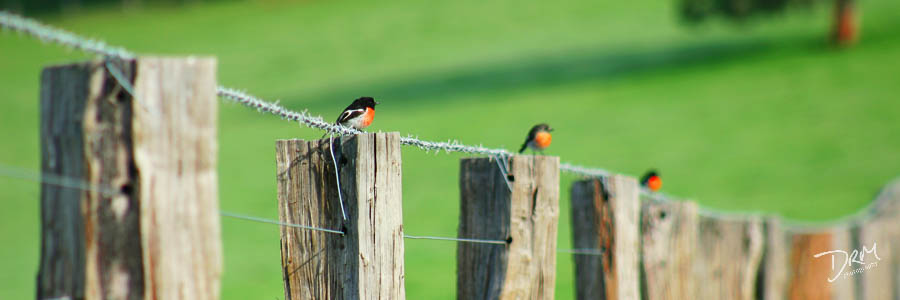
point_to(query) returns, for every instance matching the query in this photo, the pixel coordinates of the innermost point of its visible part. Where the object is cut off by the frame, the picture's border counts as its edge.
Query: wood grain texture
(607, 218)
(880, 278)
(588, 197)
(809, 275)
(149, 228)
(65, 91)
(843, 238)
(731, 250)
(669, 243)
(366, 262)
(526, 216)
(791, 270)
(176, 156)
(775, 270)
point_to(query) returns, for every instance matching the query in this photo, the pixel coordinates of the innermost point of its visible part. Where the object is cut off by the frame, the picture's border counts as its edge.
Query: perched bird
(359, 114)
(538, 138)
(651, 180)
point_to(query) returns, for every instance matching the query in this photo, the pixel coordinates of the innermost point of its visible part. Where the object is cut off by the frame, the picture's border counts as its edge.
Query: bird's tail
(525, 145)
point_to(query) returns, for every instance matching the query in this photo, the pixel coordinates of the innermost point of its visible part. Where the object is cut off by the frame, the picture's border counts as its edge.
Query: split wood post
(669, 244)
(366, 261)
(775, 268)
(879, 272)
(607, 218)
(731, 249)
(809, 275)
(524, 215)
(129, 205)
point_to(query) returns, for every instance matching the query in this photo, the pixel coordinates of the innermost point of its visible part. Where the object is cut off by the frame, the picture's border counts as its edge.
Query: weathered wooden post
(149, 227)
(879, 267)
(669, 243)
(525, 214)
(775, 267)
(811, 277)
(366, 261)
(607, 218)
(730, 249)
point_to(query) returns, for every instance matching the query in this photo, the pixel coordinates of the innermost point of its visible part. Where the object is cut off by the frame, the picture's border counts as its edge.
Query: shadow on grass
(544, 70)
(578, 66)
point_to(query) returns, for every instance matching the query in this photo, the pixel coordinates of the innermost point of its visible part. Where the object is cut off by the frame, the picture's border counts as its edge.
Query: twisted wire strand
(49, 34)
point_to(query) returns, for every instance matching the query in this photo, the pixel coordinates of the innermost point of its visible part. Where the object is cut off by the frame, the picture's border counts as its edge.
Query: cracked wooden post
(525, 215)
(775, 268)
(148, 226)
(607, 218)
(669, 243)
(366, 262)
(731, 249)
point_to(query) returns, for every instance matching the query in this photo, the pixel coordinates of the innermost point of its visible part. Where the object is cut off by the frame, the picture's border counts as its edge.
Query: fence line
(53, 35)
(267, 221)
(29, 175)
(437, 238)
(50, 34)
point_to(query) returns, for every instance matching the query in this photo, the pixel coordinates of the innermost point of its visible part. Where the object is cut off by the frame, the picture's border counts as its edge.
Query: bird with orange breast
(359, 114)
(651, 181)
(538, 139)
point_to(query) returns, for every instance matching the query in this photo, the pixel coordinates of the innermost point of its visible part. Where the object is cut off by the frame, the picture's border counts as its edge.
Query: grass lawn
(761, 116)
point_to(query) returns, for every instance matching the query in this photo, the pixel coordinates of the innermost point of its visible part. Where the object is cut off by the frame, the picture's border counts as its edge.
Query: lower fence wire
(52, 179)
(267, 221)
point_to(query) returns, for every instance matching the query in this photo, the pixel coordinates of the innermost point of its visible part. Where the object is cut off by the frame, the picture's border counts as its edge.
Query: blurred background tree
(31, 7)
(843, 31)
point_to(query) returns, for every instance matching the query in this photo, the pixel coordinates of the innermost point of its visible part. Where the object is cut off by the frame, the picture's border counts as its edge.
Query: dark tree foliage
(843, 31)
(696, 11)
(31, 7)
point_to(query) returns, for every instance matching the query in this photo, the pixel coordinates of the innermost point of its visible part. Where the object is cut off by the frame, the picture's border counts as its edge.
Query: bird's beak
(376, 102)
(550, 129)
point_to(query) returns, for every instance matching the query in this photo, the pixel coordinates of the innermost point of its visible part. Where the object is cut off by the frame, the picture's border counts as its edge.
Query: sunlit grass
(755, 117)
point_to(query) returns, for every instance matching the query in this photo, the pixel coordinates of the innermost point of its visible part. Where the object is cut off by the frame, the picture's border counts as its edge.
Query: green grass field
(762, 116)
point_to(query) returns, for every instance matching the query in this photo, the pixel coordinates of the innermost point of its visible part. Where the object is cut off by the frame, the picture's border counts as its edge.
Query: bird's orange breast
(655, 183)
(543, 139)
(368, 117)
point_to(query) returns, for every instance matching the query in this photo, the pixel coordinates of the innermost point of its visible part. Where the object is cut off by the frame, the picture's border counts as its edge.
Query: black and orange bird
(539, 138)
(359, 114)
(651, 180)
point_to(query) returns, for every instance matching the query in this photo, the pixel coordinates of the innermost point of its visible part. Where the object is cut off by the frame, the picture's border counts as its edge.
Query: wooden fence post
(790, 270)
(669, 243)
(149, 227)
(775, 268)
(730, 250)
(366, 262)
(808, 274)
(525, 215)
(880, 276)
(607, 218)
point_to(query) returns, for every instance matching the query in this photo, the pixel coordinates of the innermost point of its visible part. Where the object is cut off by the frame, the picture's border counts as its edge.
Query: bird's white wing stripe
(349, 114)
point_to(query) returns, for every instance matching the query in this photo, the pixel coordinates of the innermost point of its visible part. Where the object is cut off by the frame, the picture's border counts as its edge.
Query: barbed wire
(53, 35)
(50, 34)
